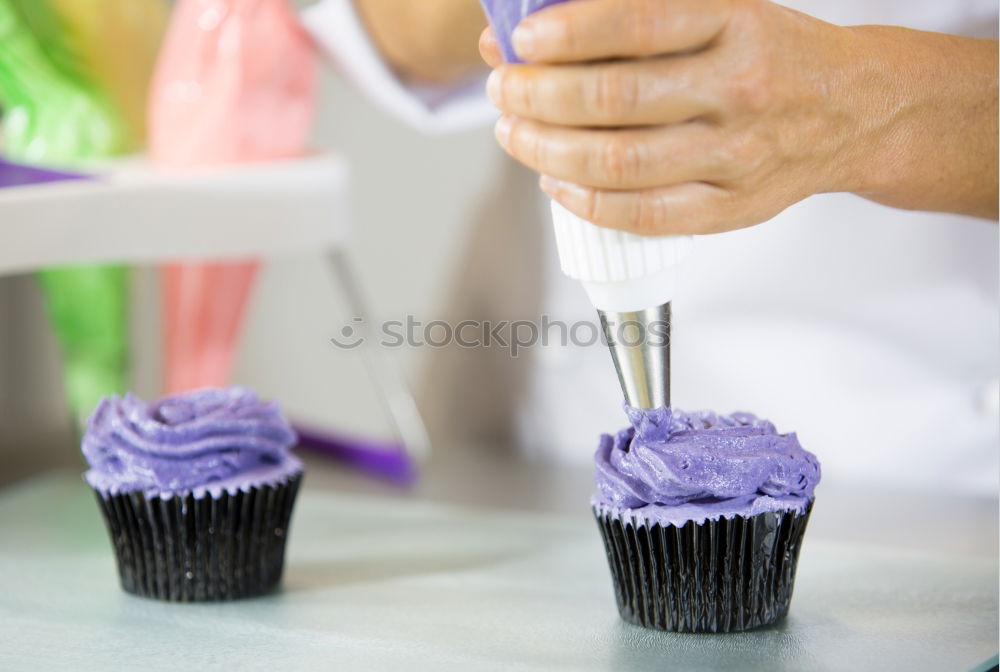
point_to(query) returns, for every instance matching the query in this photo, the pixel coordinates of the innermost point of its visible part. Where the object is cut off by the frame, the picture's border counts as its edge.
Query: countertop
(379, 578)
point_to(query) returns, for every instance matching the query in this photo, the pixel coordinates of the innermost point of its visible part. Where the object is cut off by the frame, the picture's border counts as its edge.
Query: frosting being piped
(672, 466)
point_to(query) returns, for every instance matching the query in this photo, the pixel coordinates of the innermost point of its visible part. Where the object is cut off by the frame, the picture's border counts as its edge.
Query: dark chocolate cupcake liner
(196, 549)
(719, 576)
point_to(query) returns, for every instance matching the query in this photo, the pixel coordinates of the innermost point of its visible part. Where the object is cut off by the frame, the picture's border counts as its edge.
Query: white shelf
(133, 214)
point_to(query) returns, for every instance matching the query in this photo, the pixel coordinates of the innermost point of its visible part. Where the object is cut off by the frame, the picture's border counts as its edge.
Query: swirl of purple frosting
(205, 437)
(704, 464)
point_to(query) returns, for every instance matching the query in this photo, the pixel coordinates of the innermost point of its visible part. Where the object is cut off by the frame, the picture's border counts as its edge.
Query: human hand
(701, 116)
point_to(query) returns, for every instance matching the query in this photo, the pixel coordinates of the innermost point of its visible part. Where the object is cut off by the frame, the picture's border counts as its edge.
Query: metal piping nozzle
(640, 347)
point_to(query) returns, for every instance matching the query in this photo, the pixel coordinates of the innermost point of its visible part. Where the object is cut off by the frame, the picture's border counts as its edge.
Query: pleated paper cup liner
(726, 575)
(184, 548)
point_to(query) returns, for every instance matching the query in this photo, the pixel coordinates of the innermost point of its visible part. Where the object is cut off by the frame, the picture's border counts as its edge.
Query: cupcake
(702, 517)
(196, 491)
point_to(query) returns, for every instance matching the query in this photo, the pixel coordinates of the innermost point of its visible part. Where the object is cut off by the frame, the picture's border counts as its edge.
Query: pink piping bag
(235, 82)
(204, 304)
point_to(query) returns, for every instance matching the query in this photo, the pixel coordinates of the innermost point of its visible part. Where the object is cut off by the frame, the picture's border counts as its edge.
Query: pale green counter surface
(374, 583)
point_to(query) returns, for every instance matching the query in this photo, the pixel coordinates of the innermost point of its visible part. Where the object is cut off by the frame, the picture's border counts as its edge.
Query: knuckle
(749, 13)
(535, 150)
(621, 161)
(613, 94)
(519, 91)
(563, 31)
(752, 85)
(523, 143)
(752, 88)
(740, 155)
(643, 24)
(650, 216)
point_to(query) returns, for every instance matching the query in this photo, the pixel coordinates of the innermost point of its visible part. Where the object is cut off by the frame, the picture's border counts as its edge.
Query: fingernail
(502, 130)
(493, 88)
(524, 41)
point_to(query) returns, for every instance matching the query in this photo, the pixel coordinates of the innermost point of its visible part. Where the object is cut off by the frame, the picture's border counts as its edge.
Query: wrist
(880, 95)
(863, 102)
(922, 106)
(830, 112)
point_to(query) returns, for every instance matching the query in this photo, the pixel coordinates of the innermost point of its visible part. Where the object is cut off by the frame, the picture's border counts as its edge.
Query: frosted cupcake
(702, 517)
(196, 490)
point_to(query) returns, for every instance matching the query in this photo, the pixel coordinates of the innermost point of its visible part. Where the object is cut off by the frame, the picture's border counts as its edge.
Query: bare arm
(931, 118)
(431, 40)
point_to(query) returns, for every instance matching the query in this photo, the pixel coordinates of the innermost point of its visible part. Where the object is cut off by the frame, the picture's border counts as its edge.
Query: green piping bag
(56, 115)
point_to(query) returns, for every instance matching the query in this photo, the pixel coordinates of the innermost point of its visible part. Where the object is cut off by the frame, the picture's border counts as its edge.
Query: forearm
(927, 135)
(432, 40)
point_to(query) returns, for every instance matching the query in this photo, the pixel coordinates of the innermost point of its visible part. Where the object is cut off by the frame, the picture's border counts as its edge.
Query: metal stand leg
(383, 369)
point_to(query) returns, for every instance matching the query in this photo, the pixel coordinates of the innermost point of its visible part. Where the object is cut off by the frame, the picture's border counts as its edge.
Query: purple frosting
(671, 467)
(504, 15)
(207, 439)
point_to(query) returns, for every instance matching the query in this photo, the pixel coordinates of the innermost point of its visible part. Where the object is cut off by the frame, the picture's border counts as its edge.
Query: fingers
(623, 93)
(590, 30)
(489, 48)
(631, 158)
(685, 209)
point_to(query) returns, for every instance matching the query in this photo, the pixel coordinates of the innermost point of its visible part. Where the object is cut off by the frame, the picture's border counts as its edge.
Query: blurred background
(427, 203)
(444, 226)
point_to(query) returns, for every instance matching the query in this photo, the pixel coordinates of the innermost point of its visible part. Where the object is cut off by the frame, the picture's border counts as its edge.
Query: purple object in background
(504, 15)
(386, 460)
(19, 175)
(673, 466)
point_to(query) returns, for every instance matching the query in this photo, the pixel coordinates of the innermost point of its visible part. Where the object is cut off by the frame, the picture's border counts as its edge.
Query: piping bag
(54, 112)
(63, 106)
(116, 43)
(629, 279)
(235, 82)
